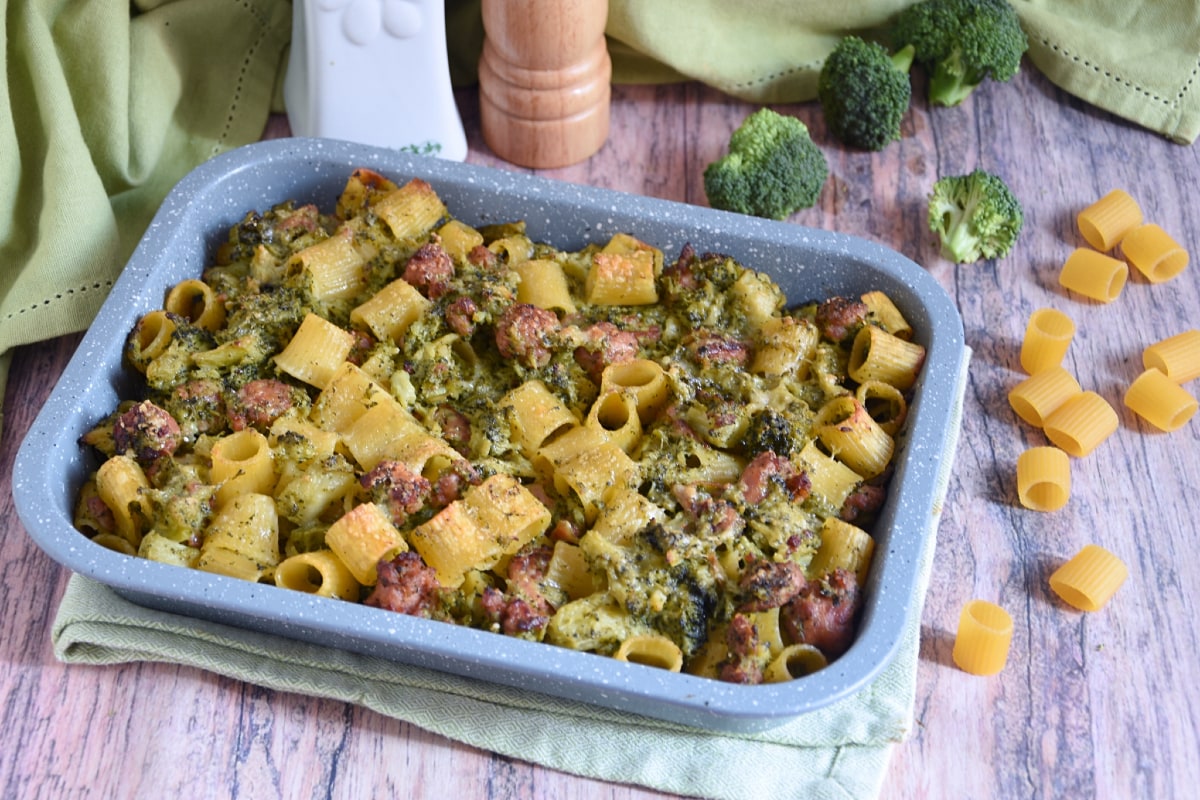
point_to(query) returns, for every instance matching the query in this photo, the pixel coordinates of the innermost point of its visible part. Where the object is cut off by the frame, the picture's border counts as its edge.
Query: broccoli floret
(976, 216)
(961, 43)
(865, 92)
(773, 168)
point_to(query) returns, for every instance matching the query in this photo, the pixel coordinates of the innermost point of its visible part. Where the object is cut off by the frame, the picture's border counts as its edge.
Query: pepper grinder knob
(544, 80)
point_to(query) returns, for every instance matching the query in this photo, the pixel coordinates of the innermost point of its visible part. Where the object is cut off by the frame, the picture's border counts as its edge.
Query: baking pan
(808, 264)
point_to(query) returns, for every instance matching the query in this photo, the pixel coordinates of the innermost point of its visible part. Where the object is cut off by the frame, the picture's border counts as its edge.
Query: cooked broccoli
(976, 216)
(773, 168)
(864, 92)
(961, 43)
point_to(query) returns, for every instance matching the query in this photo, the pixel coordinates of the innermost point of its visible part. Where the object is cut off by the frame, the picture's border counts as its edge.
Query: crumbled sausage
(406, 585)
(146, 430)
(523, 333)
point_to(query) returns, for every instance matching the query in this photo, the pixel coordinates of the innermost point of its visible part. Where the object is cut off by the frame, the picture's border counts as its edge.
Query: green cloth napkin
(104, 107)
(837, 752)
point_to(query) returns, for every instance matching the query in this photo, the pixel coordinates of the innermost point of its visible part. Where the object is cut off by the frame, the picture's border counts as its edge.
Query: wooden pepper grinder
(544, 80)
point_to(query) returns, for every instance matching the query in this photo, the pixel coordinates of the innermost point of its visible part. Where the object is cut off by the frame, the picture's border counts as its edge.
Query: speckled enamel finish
(809, 264)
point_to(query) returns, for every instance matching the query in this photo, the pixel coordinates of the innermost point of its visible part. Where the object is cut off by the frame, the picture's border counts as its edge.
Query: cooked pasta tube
(1152, 252)
(1094, 275)
(885, 403)
(348, 395)
(319, 572)
(535, 415)
(242, 463)
(1042, 393)
(881, 356)
(1047, 337)
(843, 546)
(616, 414)
(411, 210)
(196, 301)
(983, 638)
(361, 538)
(544, 284)
(852, 436)
(568, 570)
(1043, 478)
(1177, 357)
(1160, 401)
(120, 482)
(151, 337)
(459, 239)
(794, 661)
(785, 347)
(1080, 424)
(886, 315)
(642, 378)
(242, 541)
(651, 649)
(116, 543)
(621, 279)
(828, 477)
(333, 267)
(316, 351)
(1106, 222)
(157, 547)
(389, 312)
(1089, 579)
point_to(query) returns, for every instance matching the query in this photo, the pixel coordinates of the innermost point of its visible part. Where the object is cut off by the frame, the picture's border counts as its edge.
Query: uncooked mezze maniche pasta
(602, 449)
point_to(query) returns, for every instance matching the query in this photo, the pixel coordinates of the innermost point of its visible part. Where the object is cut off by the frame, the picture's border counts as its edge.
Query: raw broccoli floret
(961, 43)
(865, 92)
(773, 168)
(976, 216)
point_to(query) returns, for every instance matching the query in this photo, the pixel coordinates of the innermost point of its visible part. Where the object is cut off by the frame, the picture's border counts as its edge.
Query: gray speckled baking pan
(809, 264)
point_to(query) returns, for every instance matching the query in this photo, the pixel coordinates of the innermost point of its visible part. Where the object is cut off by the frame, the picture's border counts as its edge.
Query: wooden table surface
(1090, 705)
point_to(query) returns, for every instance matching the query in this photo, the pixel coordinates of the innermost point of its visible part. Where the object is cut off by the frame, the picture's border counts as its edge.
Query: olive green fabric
(102, 109)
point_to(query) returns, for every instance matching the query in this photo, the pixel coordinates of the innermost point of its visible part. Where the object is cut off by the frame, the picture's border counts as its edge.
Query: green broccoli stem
(960, 244)
(902, 59)
(949, 86)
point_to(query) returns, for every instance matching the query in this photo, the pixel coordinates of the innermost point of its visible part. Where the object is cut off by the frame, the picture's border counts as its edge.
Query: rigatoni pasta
(1152, 251)
(1043, 393)
(1177, 357)
(1160, 401)
(983, 638)
(1089, 579)
(1081, 424)
(1047, 337)
(1043, 478)
(1094, 275)
(1105, 222)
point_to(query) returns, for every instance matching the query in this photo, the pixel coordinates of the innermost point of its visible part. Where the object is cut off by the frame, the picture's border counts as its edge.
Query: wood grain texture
(1099, 705)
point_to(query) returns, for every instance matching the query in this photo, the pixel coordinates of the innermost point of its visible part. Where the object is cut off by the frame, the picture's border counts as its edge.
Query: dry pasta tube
(1177, 357)
(1081, 424)
(1090, 579)
(1160, 401)
(984, 636)
(320, 573)
(794, 661)
(1152, 252)
(1043, 478)
(1047, 337)
(1043, 393)
(652, 650)
(1094, 275)
(1106, 222)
